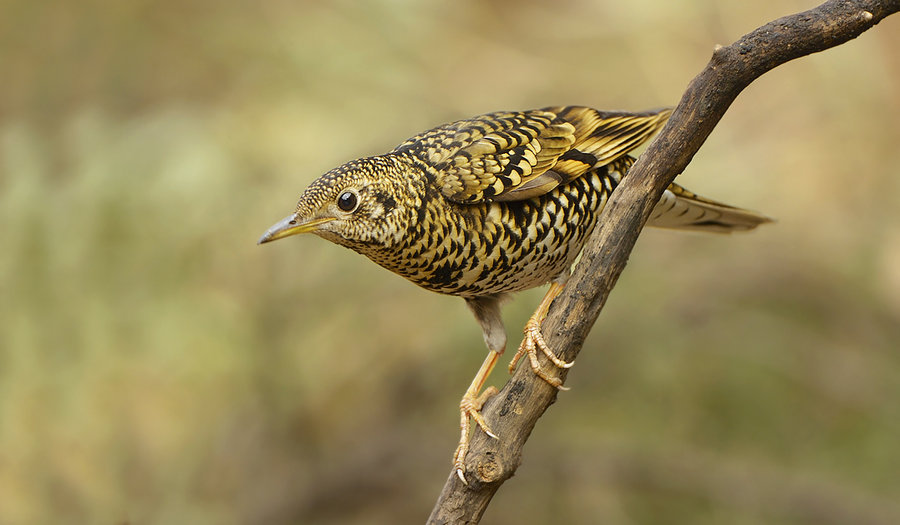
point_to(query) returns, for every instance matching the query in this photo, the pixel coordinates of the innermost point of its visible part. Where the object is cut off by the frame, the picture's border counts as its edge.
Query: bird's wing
(515, 156)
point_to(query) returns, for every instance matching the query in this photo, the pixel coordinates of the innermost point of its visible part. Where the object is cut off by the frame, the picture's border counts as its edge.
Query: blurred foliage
(156, 366)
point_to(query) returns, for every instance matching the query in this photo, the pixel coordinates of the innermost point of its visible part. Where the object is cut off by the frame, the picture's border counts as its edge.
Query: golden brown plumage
(495, 204)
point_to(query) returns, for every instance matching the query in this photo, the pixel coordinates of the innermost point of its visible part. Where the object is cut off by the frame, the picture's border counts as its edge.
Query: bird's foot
(531, 343)
(470, 410)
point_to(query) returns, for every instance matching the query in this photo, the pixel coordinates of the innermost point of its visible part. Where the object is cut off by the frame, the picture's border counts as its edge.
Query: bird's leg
(534, 340)
(487, 312)
(470, 409)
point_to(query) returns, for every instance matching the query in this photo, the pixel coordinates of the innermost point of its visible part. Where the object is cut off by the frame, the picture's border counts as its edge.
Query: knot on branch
(488, 469)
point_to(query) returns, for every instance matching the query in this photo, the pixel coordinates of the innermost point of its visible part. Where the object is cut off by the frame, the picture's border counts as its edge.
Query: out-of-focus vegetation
(159, 367)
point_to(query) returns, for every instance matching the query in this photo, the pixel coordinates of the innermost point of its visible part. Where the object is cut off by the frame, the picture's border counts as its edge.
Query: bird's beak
(291, 225)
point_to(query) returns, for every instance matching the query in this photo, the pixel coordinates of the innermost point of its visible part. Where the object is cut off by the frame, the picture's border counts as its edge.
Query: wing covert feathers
(519, 155)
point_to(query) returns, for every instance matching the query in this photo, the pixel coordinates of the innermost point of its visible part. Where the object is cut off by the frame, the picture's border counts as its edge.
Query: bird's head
(365, 204)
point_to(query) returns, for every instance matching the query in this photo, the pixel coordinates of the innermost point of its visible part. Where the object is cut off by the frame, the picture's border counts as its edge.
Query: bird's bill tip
(291, 225)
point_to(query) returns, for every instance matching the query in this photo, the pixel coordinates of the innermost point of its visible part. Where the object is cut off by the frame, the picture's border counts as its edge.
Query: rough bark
(513, 413)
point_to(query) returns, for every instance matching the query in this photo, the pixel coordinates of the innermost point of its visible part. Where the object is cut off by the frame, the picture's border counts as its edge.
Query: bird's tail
(683, 210)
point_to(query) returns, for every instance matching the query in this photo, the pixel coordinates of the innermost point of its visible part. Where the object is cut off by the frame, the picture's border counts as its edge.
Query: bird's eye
(347, 201)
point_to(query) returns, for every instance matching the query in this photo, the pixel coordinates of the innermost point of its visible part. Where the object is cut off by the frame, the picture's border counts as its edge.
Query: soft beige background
(156, 366)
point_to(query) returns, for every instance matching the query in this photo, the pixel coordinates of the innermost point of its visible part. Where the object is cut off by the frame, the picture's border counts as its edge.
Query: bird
(487, 206)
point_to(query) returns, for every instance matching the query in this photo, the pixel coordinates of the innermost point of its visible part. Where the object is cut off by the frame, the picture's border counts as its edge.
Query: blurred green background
(157, 366)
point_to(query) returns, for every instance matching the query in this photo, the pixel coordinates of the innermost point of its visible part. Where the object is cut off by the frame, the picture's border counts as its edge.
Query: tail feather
(683, 210)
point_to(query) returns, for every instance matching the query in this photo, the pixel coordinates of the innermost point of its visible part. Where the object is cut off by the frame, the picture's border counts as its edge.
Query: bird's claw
(470, 410)
(531, 343)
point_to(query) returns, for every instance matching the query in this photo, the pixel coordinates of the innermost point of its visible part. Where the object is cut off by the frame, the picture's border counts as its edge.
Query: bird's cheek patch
(386, 201)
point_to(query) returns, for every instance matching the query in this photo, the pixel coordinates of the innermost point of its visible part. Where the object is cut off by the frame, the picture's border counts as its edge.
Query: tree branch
(515, 410)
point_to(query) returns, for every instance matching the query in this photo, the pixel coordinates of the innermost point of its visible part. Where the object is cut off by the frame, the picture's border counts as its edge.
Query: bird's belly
(495, 248)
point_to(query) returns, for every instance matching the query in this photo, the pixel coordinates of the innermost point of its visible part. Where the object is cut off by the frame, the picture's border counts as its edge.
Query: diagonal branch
(515, 410)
